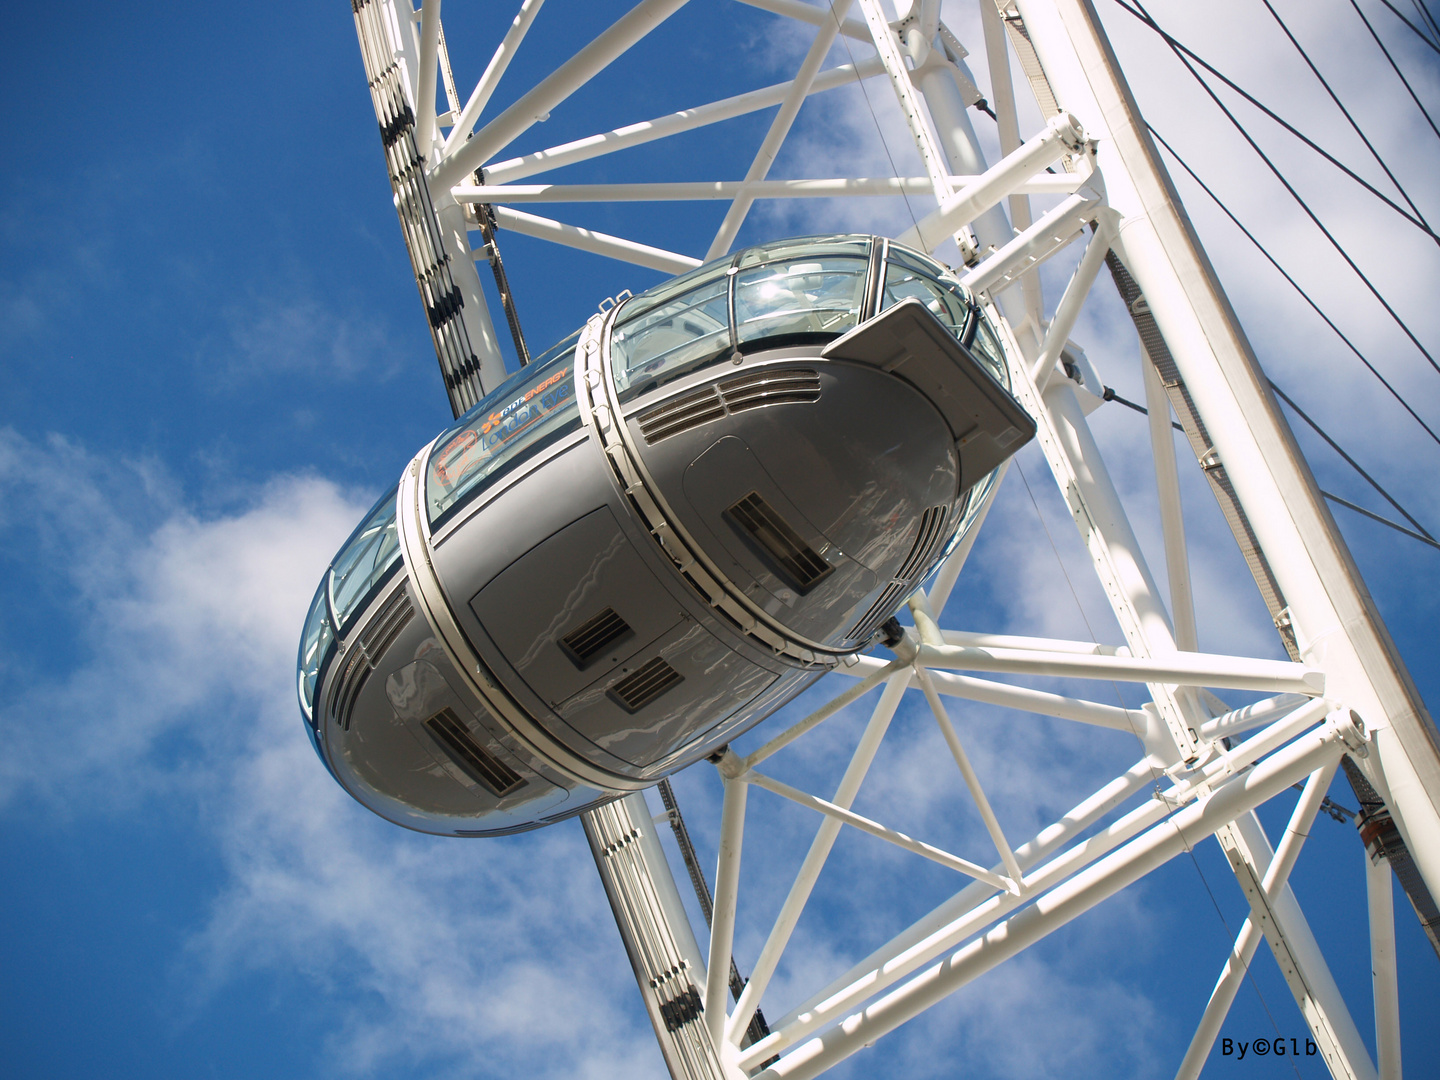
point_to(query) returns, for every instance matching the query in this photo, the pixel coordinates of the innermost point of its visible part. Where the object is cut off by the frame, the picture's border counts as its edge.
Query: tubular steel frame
(1344, 692)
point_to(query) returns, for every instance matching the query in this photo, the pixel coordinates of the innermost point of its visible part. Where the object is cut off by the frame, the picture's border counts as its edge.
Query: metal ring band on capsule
(413, 533)
(593, 372)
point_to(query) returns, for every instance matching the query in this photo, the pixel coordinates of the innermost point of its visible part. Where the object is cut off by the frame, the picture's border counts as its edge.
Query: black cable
(1376, 517)
(1396, 68)
(1345, 113)
(1180, 48)
(1301, 202)
(1110, 395)
(1352, 462)
(1426, 18)
(1416, 30)
(1295, 285)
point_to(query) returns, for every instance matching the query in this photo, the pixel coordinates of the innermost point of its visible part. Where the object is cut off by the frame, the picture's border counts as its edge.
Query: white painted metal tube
(958, 917)
(1047, 236)
(687, 191)
(480, 96)
(874, 828)
(1018, 641)
(829, 709)
(1023, 698)
(975, 907)
(815, 858)
(722, 922)
(779, 128)
(672, 124)
(1189, 669)
(1071, 301)
(1379, 886)
(425, 82)
(1246, 942)
(967, 770)
(535, 105)
(615, 247)
(808, 13)
(1172, 518)
(994, 184)
(1251, 716)
(1066, 902)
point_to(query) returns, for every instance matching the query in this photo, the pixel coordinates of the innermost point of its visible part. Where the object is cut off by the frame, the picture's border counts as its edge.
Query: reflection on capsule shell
(655, 535)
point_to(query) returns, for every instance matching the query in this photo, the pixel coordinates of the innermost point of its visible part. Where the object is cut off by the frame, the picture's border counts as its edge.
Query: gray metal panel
(908, 341)
(715, 683)
(557, 585)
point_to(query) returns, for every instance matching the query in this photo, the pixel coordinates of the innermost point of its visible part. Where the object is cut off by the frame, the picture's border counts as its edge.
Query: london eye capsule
(656, 534)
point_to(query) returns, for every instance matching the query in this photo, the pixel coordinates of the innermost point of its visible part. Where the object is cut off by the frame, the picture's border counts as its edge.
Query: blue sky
(214, 360)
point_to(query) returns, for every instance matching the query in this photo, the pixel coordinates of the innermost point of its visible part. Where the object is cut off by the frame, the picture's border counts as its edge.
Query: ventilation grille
(644, 685)
(752, 390)
(479, 763)
(929, 539)
(797, 560)
(682, 414)
(883, 607)
(387, 624)
(593, 638)
(356, 672)
(770, 386)
(927, 542)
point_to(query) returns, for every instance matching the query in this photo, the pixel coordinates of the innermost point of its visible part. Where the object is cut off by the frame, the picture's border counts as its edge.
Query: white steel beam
(779, 128)
(697, 190)
(480, 96)
(1071, 301)
(1332, 614)
(977, 906)
(815, 858)
(1251, 716)
(722, 924)
(1236, 967)
(1023, 698)
(1061, 136)
(1190, 669)
(1067, 901)
(599, 243)
(672, 124)
(1172, 518)
(535, 105)
(425, 81)
(1379, 886)
(882, 832)
(809, 13)
(1036, 244)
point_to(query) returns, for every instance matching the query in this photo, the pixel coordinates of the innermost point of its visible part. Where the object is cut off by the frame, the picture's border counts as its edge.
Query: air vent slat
(770, 387)
(484, 767)
(754, 389)
(797, 560)
(645, 684)
(883, 607)
(594, 637)
(926, 541)
(682, 414)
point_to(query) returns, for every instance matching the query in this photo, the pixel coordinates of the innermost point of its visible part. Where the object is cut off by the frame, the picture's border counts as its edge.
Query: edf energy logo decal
(478, 444)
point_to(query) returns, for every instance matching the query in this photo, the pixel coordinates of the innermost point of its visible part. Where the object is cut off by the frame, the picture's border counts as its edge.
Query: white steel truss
(1206, 767)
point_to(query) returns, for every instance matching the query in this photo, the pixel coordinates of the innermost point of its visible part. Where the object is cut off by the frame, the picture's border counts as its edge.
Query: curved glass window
(803, 300)
(315, 642)
(985, 347)
(688, 330)
(907, 276)
(365, 561)
(523, 415)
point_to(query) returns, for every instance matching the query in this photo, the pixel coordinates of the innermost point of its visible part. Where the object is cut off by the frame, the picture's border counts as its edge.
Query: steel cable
(1394, 315)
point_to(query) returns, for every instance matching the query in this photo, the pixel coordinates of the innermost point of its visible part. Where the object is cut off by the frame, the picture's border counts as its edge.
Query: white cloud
(454, 954)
